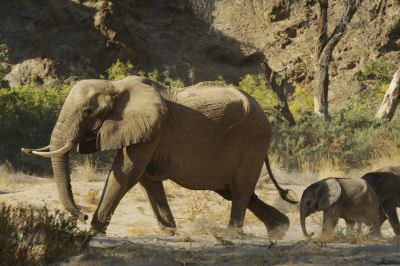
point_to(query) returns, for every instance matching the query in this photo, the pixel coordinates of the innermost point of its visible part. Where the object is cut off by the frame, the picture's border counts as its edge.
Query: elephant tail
(284, 193)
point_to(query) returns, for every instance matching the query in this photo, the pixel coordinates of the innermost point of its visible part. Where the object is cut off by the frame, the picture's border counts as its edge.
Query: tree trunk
(391, 99)
(322, 72)
(278, 85)
(324, 51)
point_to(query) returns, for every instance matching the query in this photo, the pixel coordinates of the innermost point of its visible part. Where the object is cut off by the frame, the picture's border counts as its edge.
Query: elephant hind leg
(276, 222)
(158, 200)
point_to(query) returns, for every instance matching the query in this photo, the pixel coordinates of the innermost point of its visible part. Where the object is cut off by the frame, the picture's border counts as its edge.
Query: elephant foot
(170, 231)
(98, 229)
(278, 232)
(278, 229)
(97, 232)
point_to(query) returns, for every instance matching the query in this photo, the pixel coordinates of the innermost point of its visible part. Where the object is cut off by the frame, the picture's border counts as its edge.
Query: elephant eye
(87, 111)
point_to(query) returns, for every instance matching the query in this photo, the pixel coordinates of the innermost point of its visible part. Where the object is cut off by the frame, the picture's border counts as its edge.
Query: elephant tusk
(29, 151)
(60, 151)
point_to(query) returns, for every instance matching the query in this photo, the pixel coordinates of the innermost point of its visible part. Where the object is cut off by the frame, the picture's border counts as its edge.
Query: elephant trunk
(61, 171)
(303, 215)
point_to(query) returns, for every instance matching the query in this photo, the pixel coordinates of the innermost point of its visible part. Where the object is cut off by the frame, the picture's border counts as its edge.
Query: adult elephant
(205, 137)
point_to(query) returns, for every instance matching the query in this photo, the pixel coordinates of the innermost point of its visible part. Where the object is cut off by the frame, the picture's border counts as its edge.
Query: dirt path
(134, 237)
(175, 251)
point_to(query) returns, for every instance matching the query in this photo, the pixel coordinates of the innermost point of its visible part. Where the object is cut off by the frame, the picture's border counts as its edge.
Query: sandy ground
(134, 238)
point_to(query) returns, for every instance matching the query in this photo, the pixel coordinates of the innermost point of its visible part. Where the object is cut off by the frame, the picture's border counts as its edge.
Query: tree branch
(279, 84)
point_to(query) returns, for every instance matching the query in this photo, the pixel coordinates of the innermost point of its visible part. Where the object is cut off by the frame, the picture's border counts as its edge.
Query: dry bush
(30, 235)
(86, 170)
(92, 197)
(384, 160)
(6, 170)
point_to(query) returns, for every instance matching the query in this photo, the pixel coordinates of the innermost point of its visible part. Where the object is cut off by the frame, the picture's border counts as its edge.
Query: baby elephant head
(318, 197)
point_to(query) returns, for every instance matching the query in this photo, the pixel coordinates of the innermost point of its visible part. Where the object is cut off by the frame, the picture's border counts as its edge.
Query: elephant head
(101, 115)
(318, 197)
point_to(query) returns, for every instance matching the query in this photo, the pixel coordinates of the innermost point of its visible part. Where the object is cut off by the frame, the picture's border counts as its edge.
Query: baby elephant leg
(330, 219)
(375, 223)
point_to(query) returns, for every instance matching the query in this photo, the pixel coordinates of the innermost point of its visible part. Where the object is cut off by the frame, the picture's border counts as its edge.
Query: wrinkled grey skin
(387, 188)
(353, 201)
(205, 136)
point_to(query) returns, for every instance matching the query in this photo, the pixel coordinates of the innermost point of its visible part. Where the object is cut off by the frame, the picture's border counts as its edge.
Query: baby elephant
(348, 198)
(387, 188)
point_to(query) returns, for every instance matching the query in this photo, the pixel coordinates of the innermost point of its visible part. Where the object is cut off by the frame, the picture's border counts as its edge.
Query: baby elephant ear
(328, 193)
(137, 114)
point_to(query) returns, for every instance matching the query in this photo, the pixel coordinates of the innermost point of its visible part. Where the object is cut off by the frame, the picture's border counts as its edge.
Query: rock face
(194, 39)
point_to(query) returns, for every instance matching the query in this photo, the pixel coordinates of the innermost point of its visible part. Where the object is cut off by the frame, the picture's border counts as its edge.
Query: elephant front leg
(158, 200)
(127, 169)
(329, 222)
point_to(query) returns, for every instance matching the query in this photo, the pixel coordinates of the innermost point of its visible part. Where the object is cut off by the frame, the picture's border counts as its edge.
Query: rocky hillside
(57, 41)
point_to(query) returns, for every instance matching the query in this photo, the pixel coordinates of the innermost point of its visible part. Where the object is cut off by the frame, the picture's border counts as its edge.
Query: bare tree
(279, 85)
(324, 50)
(391, 99)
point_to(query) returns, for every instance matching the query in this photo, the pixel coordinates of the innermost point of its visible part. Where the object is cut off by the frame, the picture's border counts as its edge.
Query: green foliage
(3, 53)
(119, 70)
(380, 70)
(175, 83)
(301, 102)
(255, 85)
(3, 59)
(32, 236)
(351, 138)
(367, 101)
(154, 75)
(27, 117)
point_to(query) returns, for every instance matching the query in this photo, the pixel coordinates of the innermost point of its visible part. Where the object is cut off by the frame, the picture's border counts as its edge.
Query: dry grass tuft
(86, 170)
(92, 197)
(325, 167)
(32, 236)
(382, 161)
(6, 171)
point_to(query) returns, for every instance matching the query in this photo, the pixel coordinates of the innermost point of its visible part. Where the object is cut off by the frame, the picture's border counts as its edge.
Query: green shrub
(27, 117)
(3, 60)
(380, 70)
(154, 75)
(351, 138)
(255, 85)
(174, 83)
(32, 236)
(301, 102)
(119, 70)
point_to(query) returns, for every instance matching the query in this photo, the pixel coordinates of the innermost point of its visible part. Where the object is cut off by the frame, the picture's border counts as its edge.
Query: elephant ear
(138, 113)
(328, 193)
